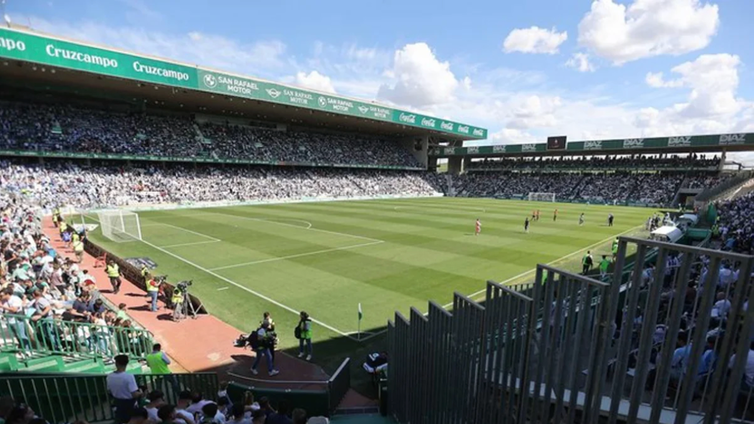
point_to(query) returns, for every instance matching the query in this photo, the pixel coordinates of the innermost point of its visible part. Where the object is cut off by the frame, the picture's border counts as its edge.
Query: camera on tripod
(184, 285)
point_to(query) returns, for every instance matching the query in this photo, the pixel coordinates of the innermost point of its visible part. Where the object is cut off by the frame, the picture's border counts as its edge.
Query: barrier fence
(65, 398)
(670, 346)
(20, 333)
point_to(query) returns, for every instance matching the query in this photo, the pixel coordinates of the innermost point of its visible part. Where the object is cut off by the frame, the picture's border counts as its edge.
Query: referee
(122, 386)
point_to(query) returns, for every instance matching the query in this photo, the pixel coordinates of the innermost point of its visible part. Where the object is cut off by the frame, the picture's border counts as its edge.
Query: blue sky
(524, 70)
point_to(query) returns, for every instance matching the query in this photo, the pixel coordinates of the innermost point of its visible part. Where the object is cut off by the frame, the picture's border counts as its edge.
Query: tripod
(185, 308)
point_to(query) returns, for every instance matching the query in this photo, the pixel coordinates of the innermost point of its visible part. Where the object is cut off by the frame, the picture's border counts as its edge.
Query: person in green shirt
(615, 248)
(604, 265)
(158, 364)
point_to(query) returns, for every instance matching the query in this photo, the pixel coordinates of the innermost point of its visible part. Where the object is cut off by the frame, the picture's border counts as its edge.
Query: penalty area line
(592, 246)
(246, 289)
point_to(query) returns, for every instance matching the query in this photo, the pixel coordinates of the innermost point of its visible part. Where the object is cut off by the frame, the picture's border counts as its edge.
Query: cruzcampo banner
(42, 50)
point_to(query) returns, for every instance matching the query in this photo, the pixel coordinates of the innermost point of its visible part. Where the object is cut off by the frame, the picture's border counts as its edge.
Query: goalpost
(120, 225)
(541, 197)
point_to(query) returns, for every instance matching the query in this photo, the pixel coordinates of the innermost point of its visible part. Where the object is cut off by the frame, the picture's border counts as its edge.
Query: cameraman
(153, 289)
(177, 301)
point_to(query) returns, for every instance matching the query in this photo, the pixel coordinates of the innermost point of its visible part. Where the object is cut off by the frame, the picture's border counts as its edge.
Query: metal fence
(19, 333)
(668, 345)
(65, 398)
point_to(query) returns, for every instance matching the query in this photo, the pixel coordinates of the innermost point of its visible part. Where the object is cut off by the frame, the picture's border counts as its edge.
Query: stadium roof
(714, 143)
(69, 62)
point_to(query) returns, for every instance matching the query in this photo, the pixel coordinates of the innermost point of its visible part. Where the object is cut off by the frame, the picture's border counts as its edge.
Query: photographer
(153, 289)
(262, 342)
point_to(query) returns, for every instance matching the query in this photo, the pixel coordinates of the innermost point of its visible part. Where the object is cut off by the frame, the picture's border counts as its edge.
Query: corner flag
(360, 316)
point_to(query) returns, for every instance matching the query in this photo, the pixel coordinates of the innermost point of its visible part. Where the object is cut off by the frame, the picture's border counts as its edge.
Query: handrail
(55, 336)
(710, 193)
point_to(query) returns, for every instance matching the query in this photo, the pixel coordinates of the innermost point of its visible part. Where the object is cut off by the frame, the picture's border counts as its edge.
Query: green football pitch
(326, 258)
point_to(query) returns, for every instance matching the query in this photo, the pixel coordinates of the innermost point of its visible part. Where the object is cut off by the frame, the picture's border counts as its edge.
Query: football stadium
(188, 243)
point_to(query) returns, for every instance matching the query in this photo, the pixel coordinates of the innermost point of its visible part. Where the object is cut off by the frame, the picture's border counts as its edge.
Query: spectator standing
(122, 386)
(305, 341)
(12, 304)
(139, 416)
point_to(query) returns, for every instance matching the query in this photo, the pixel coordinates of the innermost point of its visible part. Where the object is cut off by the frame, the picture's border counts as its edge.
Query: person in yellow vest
(177, 301)
(153, 289)
(55, 216)
(144, 273)
(78, 249)
(113, 273)
(158, 365)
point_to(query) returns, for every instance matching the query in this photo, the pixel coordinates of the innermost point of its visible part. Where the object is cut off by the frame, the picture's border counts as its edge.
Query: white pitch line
(275, 220)
(223, 288)
(190, 244)
(296, 226)
(436, 205)
(246, 289)
(192, 232)
(471, 296)
(300, 255)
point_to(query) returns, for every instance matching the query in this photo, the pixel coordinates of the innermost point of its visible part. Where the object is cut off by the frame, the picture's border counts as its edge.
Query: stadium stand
(40, 127)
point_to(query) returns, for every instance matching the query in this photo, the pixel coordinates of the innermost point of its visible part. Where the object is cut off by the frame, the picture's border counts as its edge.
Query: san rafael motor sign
(30, 47)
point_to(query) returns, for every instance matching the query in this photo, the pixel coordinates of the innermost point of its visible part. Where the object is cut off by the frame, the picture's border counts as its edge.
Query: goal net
(541, 197)
(120, 225)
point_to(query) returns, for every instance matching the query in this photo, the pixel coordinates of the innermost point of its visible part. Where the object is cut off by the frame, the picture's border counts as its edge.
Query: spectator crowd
(598, 163)
(58, 183)
(648, 188)
(57, 128)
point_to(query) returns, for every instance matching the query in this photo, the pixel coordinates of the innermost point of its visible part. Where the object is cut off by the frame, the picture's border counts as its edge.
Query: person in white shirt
(12, 304)
(183, 416)
(197, 403)
(721, 307)
(239, 415)
(122, 386)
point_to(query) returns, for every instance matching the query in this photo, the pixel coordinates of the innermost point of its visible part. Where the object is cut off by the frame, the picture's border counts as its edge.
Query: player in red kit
(478, 227)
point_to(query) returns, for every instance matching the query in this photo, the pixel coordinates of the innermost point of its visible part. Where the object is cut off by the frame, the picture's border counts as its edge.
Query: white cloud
(534, 40)
(580, 61)
(647, 28)
(534, 111)
(512, 136)
(260, 58)
(713, 83)
(420, 78)
(316, 81)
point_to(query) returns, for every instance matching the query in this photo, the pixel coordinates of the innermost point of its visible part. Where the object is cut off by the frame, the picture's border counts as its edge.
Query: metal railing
(64, 398)
(325, 398)
(575, 349)
(711, 193)
(19, 333)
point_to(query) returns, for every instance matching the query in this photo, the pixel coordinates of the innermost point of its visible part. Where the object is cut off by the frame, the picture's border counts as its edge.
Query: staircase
(41, 363)
(449, 181)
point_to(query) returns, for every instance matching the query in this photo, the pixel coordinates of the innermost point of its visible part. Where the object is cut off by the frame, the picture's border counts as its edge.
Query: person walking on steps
(304, 335)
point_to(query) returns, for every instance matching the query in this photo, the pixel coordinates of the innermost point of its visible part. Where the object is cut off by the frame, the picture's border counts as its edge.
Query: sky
(524, 70)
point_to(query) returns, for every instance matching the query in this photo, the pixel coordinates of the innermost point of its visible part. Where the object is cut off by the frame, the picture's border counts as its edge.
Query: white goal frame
(541, 197)
(113, 225)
